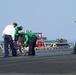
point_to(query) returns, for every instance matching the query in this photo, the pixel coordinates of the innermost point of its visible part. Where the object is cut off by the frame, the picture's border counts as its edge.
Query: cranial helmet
(19, 27)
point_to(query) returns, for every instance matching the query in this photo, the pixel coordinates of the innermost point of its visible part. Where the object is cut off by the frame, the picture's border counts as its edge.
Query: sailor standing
(8, 35)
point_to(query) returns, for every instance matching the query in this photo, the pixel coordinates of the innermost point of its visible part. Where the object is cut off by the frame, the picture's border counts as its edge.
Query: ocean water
(71, 41)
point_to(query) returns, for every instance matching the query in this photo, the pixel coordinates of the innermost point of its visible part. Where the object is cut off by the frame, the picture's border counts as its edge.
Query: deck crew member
(8, 35)
(31, 42)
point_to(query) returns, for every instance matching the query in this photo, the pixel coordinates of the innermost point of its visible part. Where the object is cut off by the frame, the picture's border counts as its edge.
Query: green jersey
(16, 32)
(28, 36)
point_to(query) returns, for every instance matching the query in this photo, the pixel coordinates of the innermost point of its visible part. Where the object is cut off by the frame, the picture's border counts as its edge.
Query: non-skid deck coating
(44, 63)
(47, 52)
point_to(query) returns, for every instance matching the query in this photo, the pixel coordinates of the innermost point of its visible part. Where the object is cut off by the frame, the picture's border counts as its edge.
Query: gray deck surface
(44, 63)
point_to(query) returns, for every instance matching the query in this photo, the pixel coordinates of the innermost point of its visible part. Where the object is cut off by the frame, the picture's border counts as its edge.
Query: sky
(54, 18)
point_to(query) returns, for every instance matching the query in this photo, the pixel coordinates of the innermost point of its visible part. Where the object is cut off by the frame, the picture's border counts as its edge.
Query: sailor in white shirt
(8, 35)
(9, 30)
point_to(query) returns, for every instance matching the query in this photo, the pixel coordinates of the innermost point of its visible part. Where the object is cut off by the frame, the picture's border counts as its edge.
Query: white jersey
(9, 30)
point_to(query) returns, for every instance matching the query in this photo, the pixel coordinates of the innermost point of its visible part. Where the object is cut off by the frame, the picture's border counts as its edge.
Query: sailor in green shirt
(16, 32)
(30, 41)
(18, 38)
